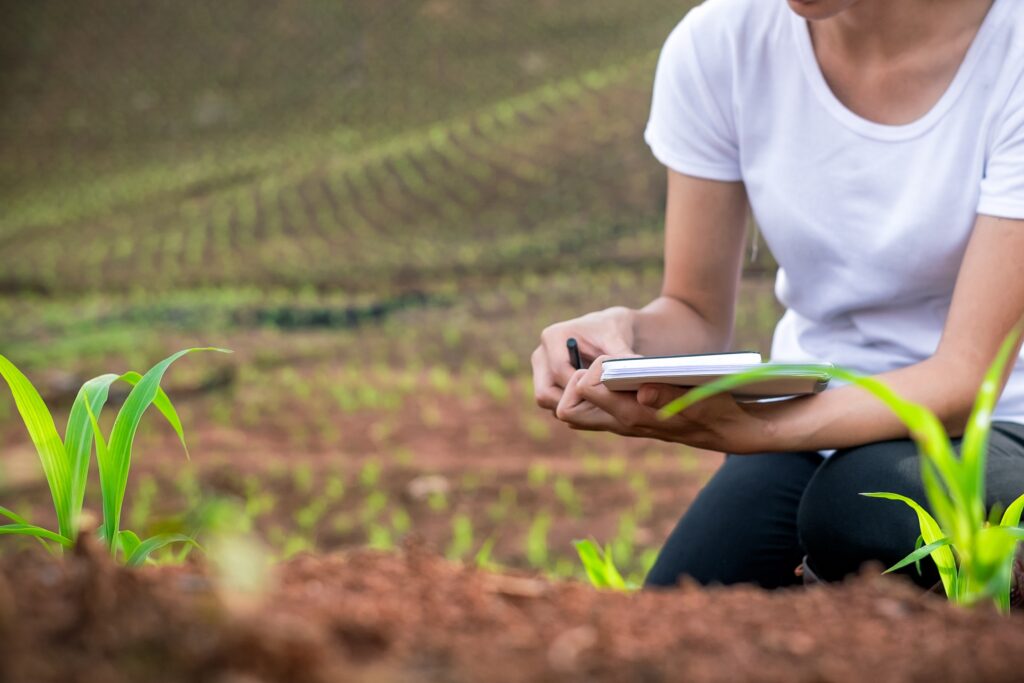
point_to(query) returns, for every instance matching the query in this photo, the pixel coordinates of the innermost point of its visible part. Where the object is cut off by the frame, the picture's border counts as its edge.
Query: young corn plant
(973, 552)
(600, 566)
(65, 462)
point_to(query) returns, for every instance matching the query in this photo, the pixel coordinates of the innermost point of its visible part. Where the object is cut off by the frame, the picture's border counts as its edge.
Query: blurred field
(378, 205)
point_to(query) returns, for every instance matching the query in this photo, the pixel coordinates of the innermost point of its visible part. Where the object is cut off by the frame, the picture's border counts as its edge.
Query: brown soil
(366, 616)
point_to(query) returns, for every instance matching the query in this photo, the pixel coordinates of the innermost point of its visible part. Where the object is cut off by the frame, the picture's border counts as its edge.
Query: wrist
(780, 426)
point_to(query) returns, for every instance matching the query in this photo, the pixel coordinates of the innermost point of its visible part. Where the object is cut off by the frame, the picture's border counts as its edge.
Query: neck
(884, 28)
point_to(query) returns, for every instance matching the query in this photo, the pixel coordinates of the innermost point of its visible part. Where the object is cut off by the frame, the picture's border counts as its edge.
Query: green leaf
(151, 545)
(47, 441)
(1012, 515)
(162, 402)
(917, 544)
(916, 556)
(105, 467)
(129, 542)
(78, 439)
(975, 443)
(599, 566)
(11, 515)
(930, 532)
(728, 383)
(114, 476)
(35, 531)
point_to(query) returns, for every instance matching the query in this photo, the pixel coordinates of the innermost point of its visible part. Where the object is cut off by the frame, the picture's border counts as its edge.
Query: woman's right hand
(607, 332)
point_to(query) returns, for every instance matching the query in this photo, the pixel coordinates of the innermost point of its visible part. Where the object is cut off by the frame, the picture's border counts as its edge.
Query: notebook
(791, 379)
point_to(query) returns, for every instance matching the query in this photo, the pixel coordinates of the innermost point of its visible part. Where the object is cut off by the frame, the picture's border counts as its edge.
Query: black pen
(574, 353)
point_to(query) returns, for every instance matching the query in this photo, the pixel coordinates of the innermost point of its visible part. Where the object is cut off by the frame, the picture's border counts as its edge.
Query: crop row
(433, 200)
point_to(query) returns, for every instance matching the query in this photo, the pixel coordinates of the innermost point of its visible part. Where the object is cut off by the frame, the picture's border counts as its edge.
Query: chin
(815, 10)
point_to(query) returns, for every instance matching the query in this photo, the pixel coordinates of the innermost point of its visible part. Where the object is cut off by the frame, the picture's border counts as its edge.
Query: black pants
(760, 514)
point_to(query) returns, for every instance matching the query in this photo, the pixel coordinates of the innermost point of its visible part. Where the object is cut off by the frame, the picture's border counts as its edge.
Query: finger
(545, 391)
(657, 396)
(570, 397)
(621, 405)
(581, 415)
(557, 358)
(607, 345)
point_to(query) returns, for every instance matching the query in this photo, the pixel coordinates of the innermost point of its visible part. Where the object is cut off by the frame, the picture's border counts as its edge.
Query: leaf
(728, 383)
(916, 556)
(151, 545)
(162, 402)
(78, 439)
(106, 474)
(1012, 515)
(592, 564)
(599, 566)
(975, 441)
(36, 531)
(129, 542)
(114, 477)
(930, 532)
(917, 544)
(78, 436)
(14, 517)
(47, 441)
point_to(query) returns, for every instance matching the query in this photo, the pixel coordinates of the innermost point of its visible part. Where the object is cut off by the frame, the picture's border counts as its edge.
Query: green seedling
(438, 501)
(566, 494)
(401, 522)
(379, 537)
(373, 505)
(537, 541)
(974, 556)
(306, 518)
(369, 475)
(600, 567)
(495, 385)
(537, 474)
(334, 489)
(66, 462)
(482, 559)
(302, 478)
(462, 537)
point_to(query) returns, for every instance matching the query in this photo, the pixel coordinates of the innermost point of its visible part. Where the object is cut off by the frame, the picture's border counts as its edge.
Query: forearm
(668, 326)
(850, 416)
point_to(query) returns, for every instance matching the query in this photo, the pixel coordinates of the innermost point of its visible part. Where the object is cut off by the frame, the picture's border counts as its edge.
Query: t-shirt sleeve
(690, 129)
(1002, 186)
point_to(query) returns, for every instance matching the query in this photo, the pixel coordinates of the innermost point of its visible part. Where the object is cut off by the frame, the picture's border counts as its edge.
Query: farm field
(381, 295)
(377, 207)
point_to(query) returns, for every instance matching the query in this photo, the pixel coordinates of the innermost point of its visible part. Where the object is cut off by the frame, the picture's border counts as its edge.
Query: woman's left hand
(716, 423)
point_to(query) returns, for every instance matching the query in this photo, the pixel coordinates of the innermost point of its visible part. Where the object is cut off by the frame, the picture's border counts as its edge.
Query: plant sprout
(600, 566)
(974, 556)
(66, 462)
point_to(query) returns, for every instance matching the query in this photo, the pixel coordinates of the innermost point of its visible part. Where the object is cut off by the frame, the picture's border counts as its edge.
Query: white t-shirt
(868, 222)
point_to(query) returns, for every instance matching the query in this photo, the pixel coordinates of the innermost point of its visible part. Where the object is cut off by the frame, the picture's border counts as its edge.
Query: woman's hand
(607, 332)
(717, 423)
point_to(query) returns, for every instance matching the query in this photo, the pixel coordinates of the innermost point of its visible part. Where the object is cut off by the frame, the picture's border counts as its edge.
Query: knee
(840, 529)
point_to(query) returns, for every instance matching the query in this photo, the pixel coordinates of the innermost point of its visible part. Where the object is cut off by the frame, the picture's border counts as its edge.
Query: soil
(410, 616)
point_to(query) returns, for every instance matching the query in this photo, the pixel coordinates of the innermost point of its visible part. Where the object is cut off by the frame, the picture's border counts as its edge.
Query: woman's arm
(704, 231)
(705, 222)
(987, 302)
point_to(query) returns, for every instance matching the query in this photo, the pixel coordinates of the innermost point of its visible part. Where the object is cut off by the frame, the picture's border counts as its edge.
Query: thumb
(658, 396)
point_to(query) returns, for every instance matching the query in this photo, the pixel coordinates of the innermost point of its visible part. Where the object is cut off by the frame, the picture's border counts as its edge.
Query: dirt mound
(367, 616)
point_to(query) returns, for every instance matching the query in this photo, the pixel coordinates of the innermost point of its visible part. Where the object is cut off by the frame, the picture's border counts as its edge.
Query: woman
(880, 146)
